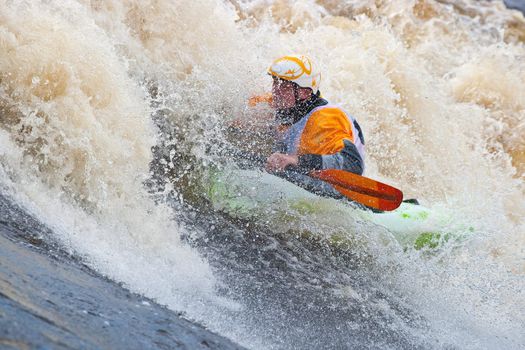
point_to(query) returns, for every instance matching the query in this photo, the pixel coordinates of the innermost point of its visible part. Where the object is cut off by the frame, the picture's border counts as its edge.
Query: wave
(107, 109)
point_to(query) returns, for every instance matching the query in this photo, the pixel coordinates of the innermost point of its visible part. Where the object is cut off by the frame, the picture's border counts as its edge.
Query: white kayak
(288, 208)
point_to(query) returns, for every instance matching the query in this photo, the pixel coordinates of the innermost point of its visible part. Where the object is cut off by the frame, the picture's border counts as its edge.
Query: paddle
(371, 193)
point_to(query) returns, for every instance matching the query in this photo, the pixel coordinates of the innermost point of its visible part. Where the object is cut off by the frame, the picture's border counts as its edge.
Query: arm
(327, 143)
(346, 159)
(258, 115)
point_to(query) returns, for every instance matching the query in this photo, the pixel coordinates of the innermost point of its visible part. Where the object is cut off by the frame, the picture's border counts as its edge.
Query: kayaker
(311, 133)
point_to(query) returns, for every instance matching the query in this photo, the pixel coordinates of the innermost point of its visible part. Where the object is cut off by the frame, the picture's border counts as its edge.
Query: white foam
(438, 92)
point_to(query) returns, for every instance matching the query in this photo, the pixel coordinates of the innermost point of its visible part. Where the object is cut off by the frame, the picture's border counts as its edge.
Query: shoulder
(329, 115)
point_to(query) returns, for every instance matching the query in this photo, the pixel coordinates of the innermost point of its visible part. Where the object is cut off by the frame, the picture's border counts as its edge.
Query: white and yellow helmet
(298, 69)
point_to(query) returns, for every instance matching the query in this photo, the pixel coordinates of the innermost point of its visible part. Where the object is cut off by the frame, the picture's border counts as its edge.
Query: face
(283, 94)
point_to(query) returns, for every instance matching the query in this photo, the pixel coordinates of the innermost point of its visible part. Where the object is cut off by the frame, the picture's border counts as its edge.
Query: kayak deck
(257, 195)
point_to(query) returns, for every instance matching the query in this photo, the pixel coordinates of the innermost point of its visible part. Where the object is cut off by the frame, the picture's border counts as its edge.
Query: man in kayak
(311, 133)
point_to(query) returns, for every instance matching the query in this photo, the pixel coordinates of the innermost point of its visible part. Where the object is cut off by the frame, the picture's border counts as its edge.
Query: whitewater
(109, 110)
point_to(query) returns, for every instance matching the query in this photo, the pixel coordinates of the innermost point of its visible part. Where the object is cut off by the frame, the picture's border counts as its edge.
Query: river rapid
(109, 109)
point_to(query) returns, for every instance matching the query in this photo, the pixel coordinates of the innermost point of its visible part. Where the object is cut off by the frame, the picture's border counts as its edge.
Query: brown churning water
(437, 86)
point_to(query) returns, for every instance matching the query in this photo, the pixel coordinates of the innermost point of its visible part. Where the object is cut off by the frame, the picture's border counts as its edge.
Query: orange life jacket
(322, 132)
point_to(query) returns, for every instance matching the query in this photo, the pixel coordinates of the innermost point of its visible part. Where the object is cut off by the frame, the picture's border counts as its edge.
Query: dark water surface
(50, 300)
(516, 4)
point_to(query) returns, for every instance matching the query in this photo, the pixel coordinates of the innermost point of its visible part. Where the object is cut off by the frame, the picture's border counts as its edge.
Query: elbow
(358, 169)
(354, 165)
(352, 160)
